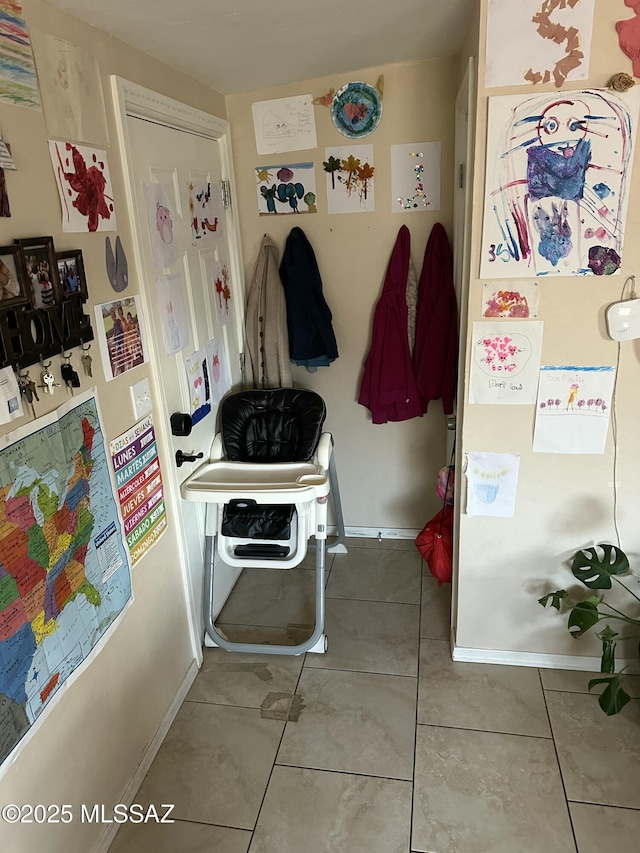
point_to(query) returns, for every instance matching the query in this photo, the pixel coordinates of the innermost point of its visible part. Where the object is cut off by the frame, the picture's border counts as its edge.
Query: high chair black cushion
(271, 425)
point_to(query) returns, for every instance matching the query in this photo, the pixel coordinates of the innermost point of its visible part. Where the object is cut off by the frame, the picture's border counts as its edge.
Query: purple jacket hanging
(435, 354)
(388, 387)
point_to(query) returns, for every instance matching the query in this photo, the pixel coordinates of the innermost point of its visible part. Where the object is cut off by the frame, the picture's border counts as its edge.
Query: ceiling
(244, 45)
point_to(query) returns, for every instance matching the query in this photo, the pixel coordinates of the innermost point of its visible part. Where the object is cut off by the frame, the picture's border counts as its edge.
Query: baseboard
(376, 532)
(535, 659)
(105, 841)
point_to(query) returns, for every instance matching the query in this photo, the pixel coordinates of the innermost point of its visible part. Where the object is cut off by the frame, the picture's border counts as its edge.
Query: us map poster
(134, 456)
(65, 577)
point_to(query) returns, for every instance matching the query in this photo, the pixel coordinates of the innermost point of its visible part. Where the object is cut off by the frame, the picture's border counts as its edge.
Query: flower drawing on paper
(223, 291)
(89, 184)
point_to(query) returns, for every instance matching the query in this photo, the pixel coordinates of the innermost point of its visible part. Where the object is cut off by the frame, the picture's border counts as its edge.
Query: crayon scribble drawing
(18, 80)
(84, 186)
(557, 188)
(289, 188)
(572, 412)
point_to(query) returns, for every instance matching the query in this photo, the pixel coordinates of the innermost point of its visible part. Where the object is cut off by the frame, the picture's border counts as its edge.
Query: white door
(186, 163)
(462, 211)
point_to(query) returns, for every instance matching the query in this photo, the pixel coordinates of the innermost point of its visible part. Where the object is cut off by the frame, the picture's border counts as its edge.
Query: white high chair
(266, 486)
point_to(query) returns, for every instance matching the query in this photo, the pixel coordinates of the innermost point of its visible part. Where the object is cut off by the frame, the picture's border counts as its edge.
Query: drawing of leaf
(332, 165)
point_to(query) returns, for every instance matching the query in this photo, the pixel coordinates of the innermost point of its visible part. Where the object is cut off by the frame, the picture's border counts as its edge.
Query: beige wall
(387, 472)
(563, 501)
(88, 748)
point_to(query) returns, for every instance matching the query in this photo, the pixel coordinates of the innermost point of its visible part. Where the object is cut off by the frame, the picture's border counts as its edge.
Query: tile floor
(383, 745)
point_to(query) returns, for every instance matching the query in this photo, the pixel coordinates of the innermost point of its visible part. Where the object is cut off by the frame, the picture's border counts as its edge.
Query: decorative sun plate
(356, 110)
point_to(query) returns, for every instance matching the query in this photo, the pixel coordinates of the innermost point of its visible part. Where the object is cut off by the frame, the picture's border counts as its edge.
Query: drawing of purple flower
(590, 402)
(543, 405)
(558, 403)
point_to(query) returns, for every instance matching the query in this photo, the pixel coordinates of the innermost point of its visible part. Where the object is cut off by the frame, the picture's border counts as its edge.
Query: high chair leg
(339, 546)
(316, 642)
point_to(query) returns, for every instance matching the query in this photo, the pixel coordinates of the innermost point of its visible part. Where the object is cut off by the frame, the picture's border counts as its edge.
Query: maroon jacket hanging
(435, 354)
(388, 387)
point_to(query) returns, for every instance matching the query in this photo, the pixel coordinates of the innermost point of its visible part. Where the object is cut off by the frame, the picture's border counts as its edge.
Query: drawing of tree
(365, 173)
(331, 166)
(350, 166)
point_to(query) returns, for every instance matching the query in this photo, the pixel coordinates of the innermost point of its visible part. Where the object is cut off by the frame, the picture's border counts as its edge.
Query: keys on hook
(27, 391)
(49, 382)
(70, 376)
(85, 358)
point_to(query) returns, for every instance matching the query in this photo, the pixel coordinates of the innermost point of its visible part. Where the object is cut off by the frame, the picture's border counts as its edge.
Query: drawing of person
(560, 184)
(573, 393)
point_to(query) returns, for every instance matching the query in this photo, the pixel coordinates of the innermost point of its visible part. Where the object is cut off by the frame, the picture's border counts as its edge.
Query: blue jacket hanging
(312, 342)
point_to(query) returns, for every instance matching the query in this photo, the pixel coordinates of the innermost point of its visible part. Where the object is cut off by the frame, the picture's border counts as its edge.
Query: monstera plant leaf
(584, 616)
(595, 570)
(608, 637)
(554, 598)
(614, 697)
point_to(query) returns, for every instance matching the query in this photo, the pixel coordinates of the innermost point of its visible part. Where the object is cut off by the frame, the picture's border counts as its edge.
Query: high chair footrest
(246, 519)
(262, 552)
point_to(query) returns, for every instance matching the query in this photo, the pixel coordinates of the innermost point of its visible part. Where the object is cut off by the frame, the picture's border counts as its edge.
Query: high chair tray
(219, 482)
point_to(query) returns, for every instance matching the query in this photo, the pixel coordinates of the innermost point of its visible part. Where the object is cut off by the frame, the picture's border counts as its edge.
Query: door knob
(181, 457)
(180, 424)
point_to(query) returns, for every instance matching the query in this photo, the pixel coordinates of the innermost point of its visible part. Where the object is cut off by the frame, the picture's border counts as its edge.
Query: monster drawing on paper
(557, 190)
(289, 188)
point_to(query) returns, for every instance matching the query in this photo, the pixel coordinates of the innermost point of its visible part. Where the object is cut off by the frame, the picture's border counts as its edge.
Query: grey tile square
(319, 812)
(353, 722)
(435, 615)
(599, 755)
(572, 681)
(484, 792)
(373, 575)
(179, 836)
(232, 678)
(214, 764)
(271, 597)
(599, 828)
(488, 697)
(370, 636)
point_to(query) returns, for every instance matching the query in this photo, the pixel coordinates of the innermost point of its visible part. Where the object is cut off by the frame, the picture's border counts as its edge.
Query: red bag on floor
(435, 543)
